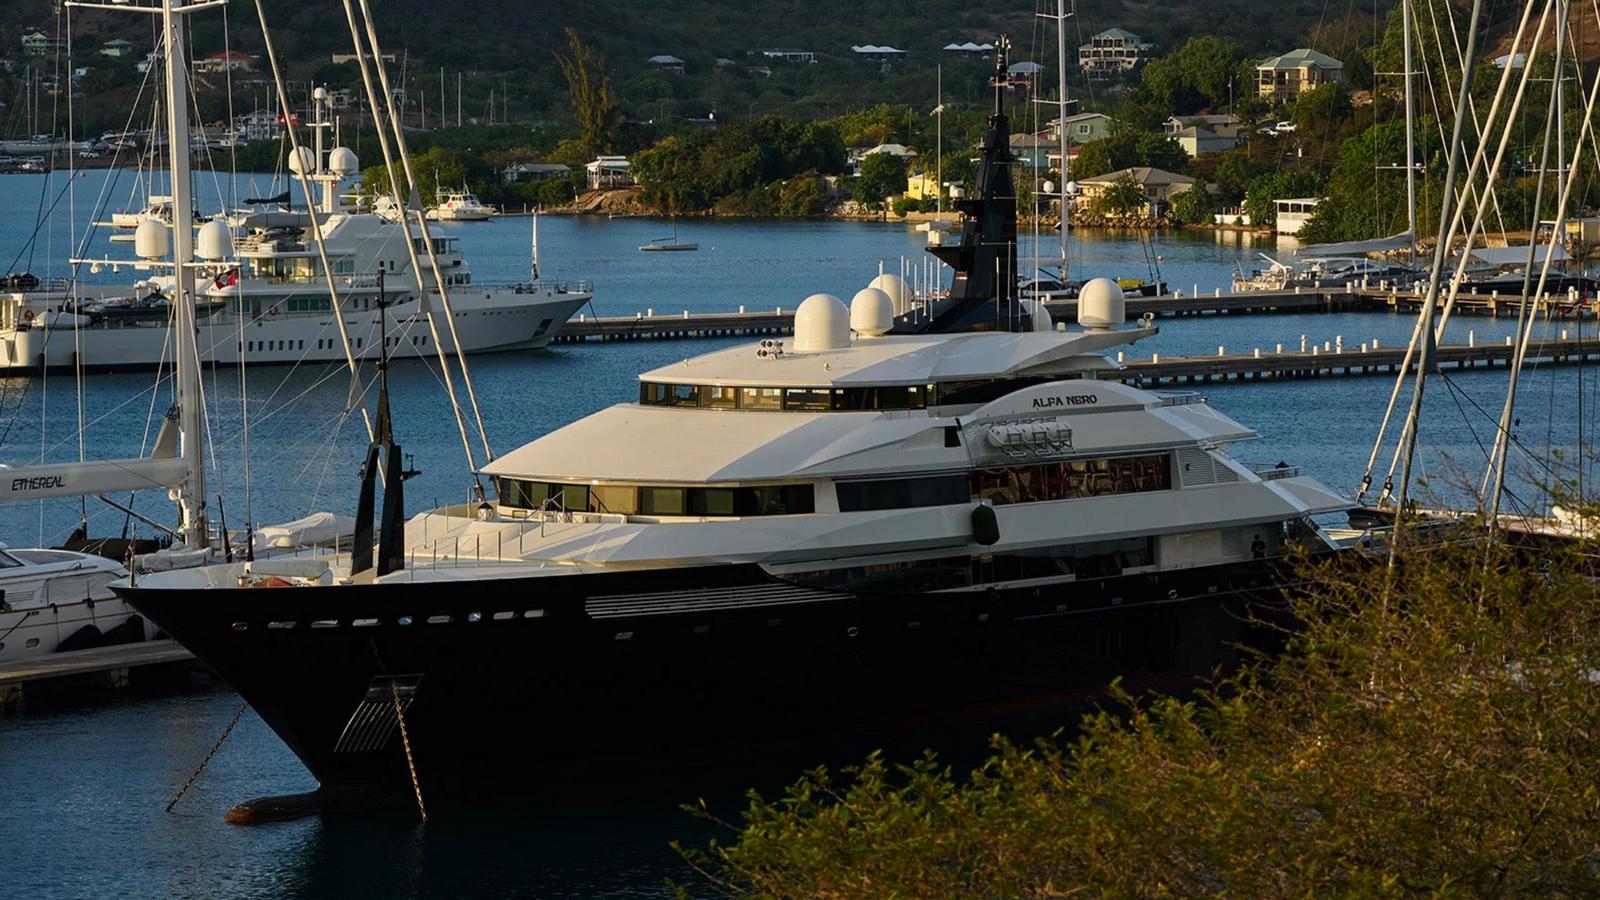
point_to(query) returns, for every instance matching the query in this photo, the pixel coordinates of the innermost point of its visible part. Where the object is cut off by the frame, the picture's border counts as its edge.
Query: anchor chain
(405, 741)
(204, 762)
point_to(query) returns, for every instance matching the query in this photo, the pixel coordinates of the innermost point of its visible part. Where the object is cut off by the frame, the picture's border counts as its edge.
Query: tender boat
(57, 601)
(460, 206)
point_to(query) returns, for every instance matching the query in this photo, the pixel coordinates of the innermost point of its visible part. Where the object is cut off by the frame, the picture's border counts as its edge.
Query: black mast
(983, 294)
(391, 526)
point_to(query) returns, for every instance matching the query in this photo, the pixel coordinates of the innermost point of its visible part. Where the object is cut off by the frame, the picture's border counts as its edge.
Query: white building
(608, 171)
(1112, 53)
(1293, 214)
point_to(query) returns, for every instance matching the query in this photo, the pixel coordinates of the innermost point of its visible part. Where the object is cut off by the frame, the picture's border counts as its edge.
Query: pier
(661, 325)
(94, 671)
(1333, 360)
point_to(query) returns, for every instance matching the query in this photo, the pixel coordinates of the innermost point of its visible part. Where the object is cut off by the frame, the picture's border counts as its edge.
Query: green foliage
(882, 174)
(1197, 75)
(1127, 147)
(694, 171)
(801, 196)
(1431, 731)
(1193, 207)
(589, 86)
(1124, 197)
(1323, 109)
(437, 168)
(1363, 200)
(1277, 185)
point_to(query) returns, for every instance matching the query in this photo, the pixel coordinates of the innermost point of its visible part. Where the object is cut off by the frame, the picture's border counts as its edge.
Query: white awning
(1357, 248)
(1517, 256)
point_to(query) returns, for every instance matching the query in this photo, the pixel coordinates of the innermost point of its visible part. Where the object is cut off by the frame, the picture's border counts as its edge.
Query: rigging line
(1461, 192)
(1478, 130)
(1409, 432)
(1561, 207)
(404, 208)
(427, 239)
(311, 212)
(1447, 237)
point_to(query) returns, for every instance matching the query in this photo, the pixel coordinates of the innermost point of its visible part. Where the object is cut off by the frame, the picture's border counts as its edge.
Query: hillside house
(787, 54)
(1197, 141)
(1293, 214)
(979, 51)
(1113, 53)
(226, 61)
(878, 53)
(1085, 127)
(1034, 151)
(1283, 78)
(116, 48)
(1223, 124)
(665, 62)
(533, 171)
(608, 172)
(40, 43)
(1159, 186)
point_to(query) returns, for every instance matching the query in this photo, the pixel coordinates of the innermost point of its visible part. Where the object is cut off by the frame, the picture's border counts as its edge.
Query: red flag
(227, 279)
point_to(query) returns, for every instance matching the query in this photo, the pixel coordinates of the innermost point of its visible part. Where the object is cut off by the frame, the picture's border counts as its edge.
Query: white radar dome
(214, 242)
(150, 239)
(1101, 305)
(871, 312)
(895, 287)
(822, 322)
(1071, 188)
(303, 161)
(342, 161)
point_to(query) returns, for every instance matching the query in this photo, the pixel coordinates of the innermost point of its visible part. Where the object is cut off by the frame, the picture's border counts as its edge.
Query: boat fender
(985, 525)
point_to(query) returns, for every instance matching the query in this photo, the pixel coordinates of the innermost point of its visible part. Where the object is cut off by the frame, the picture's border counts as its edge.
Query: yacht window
(807, 399)
(685, 395)
(654, 501)
(613, 498)
(761, 398)
(902, 493)
(1075, 478)
(7, 561)
(652, 394)
(716, 397)
(711, 502)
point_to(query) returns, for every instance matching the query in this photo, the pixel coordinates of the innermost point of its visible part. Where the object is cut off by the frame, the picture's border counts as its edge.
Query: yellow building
(920, 185)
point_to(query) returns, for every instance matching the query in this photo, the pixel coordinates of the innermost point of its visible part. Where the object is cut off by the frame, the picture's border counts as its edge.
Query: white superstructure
(52, 600)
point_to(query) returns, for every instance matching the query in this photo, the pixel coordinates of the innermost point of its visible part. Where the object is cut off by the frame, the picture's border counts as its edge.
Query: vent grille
(1233, 544)
(1195, 467)
(374, 719)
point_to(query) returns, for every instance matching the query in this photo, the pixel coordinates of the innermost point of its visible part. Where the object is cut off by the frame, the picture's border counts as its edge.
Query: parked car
(1284, 127)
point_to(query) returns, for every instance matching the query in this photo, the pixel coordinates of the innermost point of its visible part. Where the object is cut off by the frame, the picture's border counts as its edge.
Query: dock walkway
(96, 669)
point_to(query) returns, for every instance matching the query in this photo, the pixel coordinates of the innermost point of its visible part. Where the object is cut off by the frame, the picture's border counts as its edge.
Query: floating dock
(95, 671)
(649, 324)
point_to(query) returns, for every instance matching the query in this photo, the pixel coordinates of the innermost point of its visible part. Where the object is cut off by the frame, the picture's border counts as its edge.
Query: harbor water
(86, 786)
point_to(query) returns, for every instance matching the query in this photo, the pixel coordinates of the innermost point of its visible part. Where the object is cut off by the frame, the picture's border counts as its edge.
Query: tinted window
(902, 493)
(761, 398)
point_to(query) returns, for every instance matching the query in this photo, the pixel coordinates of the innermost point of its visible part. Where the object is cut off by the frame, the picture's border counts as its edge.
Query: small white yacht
(54, 601)
(459, 206)
(274, 306)
(909, 509)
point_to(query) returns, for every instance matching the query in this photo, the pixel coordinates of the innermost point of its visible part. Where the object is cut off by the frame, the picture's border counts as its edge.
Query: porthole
(774, 623)
(913, 626)
(1172, 594)
(474, 617)
(852, 631)
(983, 617)
(438, 620)
(241, 626)
(404, 620)
(533, 614)
(325, 623)
(364, 623)
(702, 629)
(281, 626)
(504, 614)
(32, 643)
(624, 635)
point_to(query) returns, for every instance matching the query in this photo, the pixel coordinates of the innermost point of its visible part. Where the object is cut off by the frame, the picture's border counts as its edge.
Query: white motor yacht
(58, 600)
(460, 206)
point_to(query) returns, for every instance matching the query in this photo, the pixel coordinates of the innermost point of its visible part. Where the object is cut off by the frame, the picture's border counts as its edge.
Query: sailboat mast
(1061, 103)
(191, 415)
(1411, 143)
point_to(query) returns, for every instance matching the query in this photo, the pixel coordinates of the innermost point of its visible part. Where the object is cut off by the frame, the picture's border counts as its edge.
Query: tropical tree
(882, 174)
(589, 86)
(1123, 197)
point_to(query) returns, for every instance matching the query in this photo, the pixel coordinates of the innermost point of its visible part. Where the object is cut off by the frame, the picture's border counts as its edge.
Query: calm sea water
(85, 787)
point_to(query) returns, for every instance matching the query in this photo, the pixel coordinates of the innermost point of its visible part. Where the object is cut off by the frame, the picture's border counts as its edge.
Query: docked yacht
(460, 206)
(908, 508)
(58, 600)
(275, 305)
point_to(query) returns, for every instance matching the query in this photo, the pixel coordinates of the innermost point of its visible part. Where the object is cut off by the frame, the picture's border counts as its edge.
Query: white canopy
(1357, 248)
(1517, 256)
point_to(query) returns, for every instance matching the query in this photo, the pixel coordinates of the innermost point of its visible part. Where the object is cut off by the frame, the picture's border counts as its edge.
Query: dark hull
(584, 666)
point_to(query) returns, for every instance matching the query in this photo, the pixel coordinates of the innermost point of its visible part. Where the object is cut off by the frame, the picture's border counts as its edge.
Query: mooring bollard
(1155, 358)
(1280, 349)
(1257, 353)
(1472, 337)
(650, 311)
(686, 314)
(1216, 292)
(1563, 334)
(1120, 356)
(1338, 343)
(1221, 351)
(1177, 295)
(1375, 343)
(741, 309)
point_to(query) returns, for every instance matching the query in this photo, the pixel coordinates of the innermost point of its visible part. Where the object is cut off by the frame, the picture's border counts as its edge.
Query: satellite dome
(342, 161)
(214, 242)
(822, 322)
(303, 161)
(150, 239)
(895, 287)
(871, 312)
(1101, 305)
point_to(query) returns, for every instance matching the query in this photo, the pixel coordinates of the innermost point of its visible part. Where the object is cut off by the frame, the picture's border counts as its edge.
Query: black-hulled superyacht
(909, 507)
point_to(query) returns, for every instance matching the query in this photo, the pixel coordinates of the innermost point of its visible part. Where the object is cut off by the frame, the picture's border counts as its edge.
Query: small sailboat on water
(664, 244)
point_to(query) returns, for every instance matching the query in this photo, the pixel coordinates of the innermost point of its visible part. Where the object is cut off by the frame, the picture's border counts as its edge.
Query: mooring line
(405, 741)
(204, 762)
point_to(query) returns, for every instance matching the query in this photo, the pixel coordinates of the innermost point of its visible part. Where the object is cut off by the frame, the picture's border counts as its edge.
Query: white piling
(1155, 357)
(1279, 350)
(1508, 340)
(741, 309)
(1563, 334)
(1221, 351)
(1375, 343)
(650, 311)
(1120, 356)
(1472, 337)
(1302, 343)
(1257, 353)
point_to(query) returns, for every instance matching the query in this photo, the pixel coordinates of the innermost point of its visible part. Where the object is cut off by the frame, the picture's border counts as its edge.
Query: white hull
(49, 603)
(482, 214)
(486, 321)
